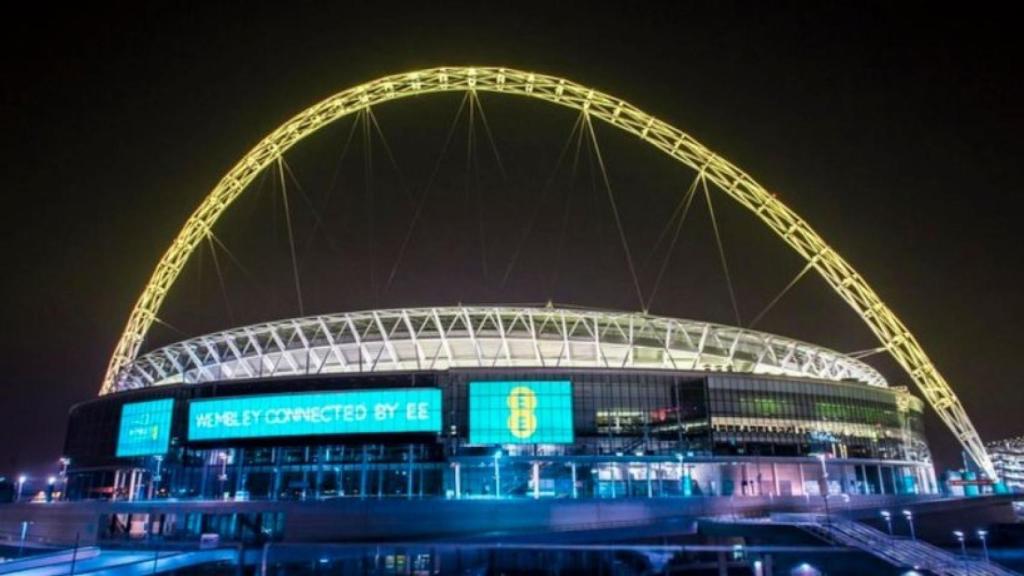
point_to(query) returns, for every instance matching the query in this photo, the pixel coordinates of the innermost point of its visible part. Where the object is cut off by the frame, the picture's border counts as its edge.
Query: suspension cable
(334, 178)
(666, 230)
(861, 354)
(490, 135)
(426, 191)
(341, 159)
(553, 280)
(472, 167)
(291, 239)
(807, 268)
(162, 322)
(721, 251)
(317, 219)
(615, 211)
(391, 157)
(685, 204)
(370, 204)
(220, 278)
(230, 254)
(249, 275)
(543, 196)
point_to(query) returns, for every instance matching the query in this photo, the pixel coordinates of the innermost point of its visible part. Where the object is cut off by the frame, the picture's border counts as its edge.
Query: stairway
(900, 552)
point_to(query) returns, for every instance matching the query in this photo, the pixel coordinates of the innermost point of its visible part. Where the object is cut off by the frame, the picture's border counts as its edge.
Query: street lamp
(984, 545)
(910, 520)
(64, 463)
(223, 456)
(887, 516)
(157, 477)
(50, 481)
(21, 484)
(963, 547)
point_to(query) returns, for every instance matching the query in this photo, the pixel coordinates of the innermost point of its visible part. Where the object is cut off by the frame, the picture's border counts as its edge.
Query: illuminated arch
(892, 333)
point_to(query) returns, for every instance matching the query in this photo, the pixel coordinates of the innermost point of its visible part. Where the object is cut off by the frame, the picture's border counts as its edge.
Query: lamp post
(223, 456)
(984, 545)
(963, 547)
(64, 463)
(887, 516)
(21, 484)
(157, 477)
(910, 521)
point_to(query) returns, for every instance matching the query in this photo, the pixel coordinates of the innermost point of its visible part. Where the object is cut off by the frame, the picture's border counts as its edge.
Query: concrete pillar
(650, 487)
(800, 467)
(380, 472)
(131, 485)
(408, 473)
(575, 491)
(239, 470)
(204, 477)
(276, 484)
(322, 455)
(775, 479)
(535, 474)
(458, 480)
(614, 483)
(362, 474)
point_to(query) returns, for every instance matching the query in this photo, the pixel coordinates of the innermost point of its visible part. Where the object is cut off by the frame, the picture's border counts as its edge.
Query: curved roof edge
(439, 338)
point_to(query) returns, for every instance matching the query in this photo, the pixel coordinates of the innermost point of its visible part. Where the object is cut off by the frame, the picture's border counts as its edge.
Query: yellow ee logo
(522, 418)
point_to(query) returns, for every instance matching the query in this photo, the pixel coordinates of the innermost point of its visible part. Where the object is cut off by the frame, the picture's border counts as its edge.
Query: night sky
(894, 130)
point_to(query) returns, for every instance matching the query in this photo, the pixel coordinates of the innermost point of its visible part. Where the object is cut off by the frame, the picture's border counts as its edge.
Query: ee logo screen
(521, 412)
(145, 428)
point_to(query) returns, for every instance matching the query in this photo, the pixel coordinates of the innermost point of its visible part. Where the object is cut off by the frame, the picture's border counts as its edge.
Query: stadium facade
(1008, 457)
(495, 402)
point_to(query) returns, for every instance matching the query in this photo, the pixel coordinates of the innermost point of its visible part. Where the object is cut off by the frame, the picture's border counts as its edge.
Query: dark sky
(895, 130)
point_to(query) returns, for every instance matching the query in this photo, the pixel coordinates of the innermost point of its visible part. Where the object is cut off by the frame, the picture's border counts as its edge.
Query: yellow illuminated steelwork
(793, 230)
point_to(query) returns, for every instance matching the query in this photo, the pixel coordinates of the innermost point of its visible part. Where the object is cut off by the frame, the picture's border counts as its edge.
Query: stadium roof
(484, 337)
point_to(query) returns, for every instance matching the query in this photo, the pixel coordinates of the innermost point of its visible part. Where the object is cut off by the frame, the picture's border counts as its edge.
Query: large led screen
(523, 412)
(145, 428)
(313, 414)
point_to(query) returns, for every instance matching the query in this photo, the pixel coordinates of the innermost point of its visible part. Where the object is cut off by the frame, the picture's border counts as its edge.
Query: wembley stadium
(430, 440)
(485, 402)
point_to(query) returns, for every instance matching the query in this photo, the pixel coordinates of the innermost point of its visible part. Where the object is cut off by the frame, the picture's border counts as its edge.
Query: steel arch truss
(793, 230)
(483, 337)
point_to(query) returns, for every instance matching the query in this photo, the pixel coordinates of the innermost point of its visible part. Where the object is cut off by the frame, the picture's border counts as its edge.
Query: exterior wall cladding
(635, 433)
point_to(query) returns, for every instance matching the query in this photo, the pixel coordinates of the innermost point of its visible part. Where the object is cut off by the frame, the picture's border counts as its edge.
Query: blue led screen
(521, 412)
(145, 428)
(312, 414)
